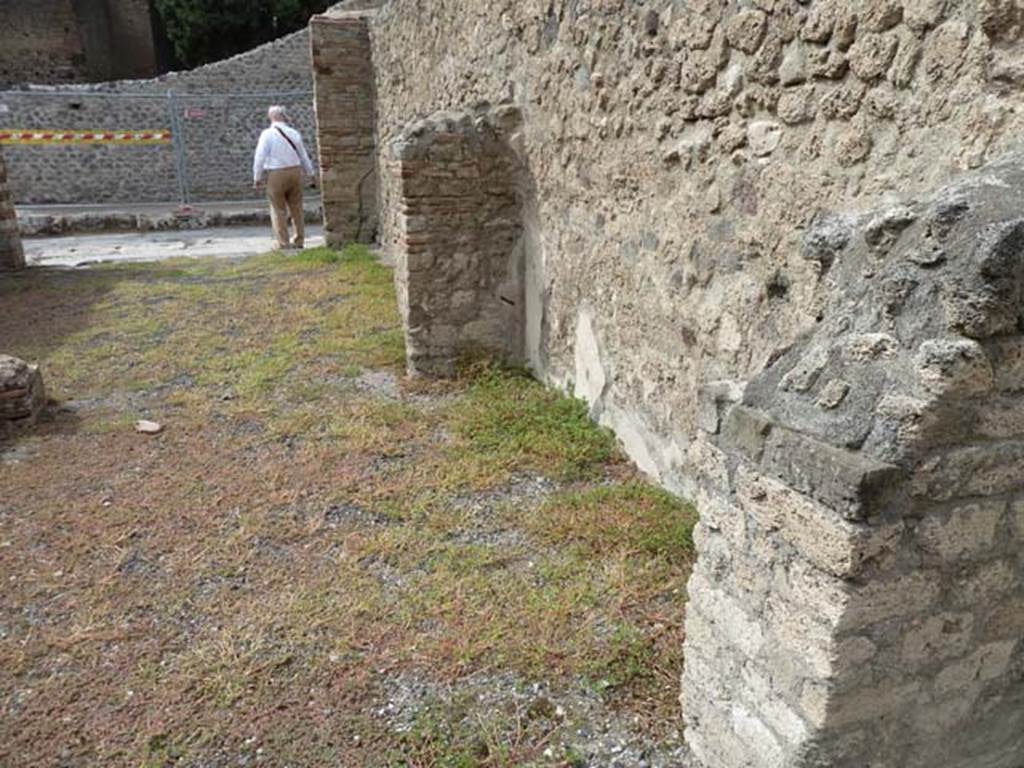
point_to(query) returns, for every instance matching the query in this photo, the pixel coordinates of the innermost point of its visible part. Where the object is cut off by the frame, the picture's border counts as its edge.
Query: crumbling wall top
(924, 317)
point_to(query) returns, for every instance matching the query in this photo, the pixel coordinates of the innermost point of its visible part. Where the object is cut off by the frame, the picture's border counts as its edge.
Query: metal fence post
(178, 140)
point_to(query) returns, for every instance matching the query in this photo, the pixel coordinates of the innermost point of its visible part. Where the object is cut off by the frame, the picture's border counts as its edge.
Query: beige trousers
(284, 189)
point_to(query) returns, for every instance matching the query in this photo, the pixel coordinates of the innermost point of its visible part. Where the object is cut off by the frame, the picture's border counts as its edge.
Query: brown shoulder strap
(290, 142)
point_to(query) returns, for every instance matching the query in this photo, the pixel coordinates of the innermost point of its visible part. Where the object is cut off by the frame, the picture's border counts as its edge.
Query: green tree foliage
(201, 31)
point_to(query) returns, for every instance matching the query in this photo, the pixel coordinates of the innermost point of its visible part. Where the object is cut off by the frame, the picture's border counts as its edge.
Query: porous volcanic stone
(22, 394)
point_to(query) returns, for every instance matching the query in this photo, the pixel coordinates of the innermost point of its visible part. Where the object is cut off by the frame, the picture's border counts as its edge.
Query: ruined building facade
(778, 246)
(73, 41)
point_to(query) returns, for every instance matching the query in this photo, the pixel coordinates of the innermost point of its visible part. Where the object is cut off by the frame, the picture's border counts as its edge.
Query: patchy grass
(627, 519)
(313, 538)
(506, 417)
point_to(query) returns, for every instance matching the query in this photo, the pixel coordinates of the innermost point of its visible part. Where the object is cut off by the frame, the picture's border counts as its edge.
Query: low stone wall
(218, 112)
(12, 256)
(459, 266)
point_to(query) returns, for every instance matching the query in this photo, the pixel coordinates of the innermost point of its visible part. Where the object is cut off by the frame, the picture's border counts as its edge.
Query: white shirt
(274, 152)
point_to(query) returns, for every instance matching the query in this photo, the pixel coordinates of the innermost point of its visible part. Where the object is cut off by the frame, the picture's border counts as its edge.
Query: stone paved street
(223, 242)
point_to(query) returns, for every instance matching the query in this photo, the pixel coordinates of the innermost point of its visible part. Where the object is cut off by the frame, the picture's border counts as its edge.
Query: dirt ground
(317, 562)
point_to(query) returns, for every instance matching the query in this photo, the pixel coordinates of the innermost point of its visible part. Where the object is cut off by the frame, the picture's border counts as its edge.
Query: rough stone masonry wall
(12, 256)
(680, 149)
(231, 97)
(459, 269)
(858, 598)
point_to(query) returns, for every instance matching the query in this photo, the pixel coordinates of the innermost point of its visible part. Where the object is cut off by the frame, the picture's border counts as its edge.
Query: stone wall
(680, 150)
(345, 126)
(220, 108)
(12, 256)
(701, 266)
(69, 41)
(459, 254)
(860, 594)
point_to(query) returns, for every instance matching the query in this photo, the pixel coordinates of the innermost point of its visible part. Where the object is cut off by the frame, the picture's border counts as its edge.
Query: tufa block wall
(12, 256)
(859, 599)
(460, 257)
(345, 120)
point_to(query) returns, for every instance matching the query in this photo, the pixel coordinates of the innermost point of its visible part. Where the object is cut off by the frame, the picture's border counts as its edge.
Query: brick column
(460, 257)
(345, 118)
(12, 256)
(859, 597)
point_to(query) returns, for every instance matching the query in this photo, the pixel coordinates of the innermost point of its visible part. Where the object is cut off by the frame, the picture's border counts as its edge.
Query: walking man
(281, 160)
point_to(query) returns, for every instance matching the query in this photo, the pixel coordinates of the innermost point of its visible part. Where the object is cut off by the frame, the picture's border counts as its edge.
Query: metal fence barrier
(78, 146)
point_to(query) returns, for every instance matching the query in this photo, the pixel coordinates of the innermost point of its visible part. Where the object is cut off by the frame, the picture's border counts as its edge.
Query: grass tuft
(631, 518)
(513, 420)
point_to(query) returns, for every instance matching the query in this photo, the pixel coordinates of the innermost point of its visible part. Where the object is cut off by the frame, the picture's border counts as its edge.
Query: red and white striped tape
(38, 136)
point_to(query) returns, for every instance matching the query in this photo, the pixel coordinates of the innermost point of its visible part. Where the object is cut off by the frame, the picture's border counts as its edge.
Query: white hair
(277, 113)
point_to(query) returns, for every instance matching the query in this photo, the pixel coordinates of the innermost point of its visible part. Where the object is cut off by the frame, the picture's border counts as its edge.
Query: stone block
(999, 417)
(22, 394)
(758, 737)
(793, 630)
(889, 598)
(954, 367)
(986, 663)
(820, 535)
(766, 696)
(968, 530)
(980, 470)
(1005, 620)
(729, 615)
(951, 712)
(871, 55)
(938, 637)
(1007, 356)
(720, 516)
(823, 596)
(713, 399)
(987, 583)
(850, 483)
(746, 29)
(921, 15)
(870, 704)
